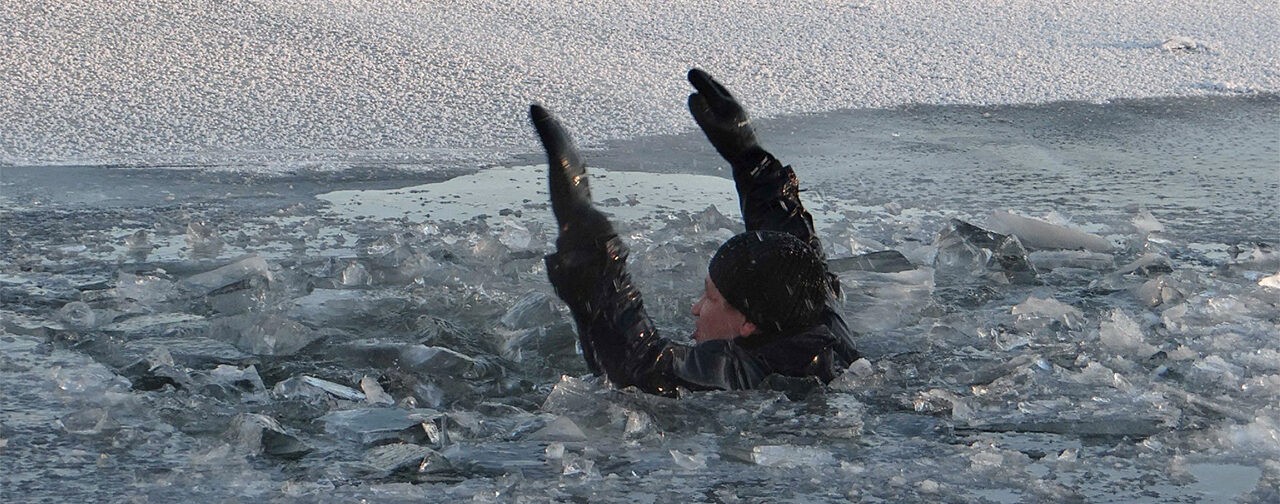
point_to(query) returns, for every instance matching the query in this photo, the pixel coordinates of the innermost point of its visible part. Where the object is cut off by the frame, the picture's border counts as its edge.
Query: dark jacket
(619, 340)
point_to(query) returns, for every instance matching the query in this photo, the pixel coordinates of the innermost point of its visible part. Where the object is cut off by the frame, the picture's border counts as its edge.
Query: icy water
(387, 332)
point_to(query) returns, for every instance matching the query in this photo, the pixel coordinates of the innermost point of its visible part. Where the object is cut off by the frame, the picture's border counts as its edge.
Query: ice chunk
(138, 241)
(261, 434)
(355, 275)
(91, 380)
(1035, 233)
(373, 392)
(562, 429)
(1145, 223)
(967, 253)
(639, 424)
(387, 459)
(77, 315)
(157, 370)
(1036, 314)
(333, 307)
(532, 310)
(578, 465)
(246, 379)
(885, 261)
(203, 239)
(1083, 259)
(882, 301)
(92, 421)
(791, 456)
(1148, 264)
(1122, 334)
(154, 324)
(710, 219)
(146, 290)
(1270, 282)
(1165, 289)
(514, 236)
(689, 461)
(334, 389)
(263, 334)
(438, 361)
(233, 275)
(375, 425)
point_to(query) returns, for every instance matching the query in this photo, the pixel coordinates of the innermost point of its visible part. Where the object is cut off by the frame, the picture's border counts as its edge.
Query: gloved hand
(579, 222)
(724, 121)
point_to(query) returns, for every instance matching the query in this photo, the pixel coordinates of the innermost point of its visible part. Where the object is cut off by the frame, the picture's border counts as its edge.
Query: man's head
(761, 281)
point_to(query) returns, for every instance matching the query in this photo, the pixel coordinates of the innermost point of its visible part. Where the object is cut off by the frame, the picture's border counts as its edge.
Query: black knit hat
(776, 280)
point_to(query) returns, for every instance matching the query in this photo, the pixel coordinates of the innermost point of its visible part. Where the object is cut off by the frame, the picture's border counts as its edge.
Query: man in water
(768, 305)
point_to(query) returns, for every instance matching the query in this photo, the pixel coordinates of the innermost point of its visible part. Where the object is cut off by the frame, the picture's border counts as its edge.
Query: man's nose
(695, 309)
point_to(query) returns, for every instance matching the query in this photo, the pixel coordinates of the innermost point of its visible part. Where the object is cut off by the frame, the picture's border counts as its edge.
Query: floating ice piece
(146, 290)
(334, 307)
(1122, 334)
(436, 360)
(263, 334)
(883, 301)
(77, 315)
(18, 323)
(1145, 223)
(562, 429)
(532, 310)
(1165, 290)
(138, 242)
(967, 253)
(143, 325)
(254, 433)
(92, 421)
(1270, 282)
(355, 275)
(374, 425)
(514, 235)
(203, 239)
(91, 380)
(884, 261)
(1036, 313)
(334, 389)
(1083, 259)
(790, 456)
(1147, 264)
(1038, 234)
(373, 392)
(246, 379)
(38, 289)
(386, 459)
(243, 270)
(1262, 257)
(689, 461)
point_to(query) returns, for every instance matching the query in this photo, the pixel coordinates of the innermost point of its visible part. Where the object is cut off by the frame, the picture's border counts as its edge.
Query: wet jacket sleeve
(620, 341)
(769, 196)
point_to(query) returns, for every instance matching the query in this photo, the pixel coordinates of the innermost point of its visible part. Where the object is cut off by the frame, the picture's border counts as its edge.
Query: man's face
(715, 318)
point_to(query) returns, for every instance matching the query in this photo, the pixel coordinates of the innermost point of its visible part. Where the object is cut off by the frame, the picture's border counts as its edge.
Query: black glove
(724, 121)
(580, 223)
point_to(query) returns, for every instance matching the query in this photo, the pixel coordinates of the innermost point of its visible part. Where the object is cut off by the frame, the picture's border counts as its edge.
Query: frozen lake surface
(386, 332)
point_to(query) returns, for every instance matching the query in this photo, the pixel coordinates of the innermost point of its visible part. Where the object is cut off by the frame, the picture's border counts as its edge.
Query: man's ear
(746, 329)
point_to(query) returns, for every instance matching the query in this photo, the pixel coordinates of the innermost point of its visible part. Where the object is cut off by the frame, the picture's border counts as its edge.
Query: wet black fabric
(619, 340)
